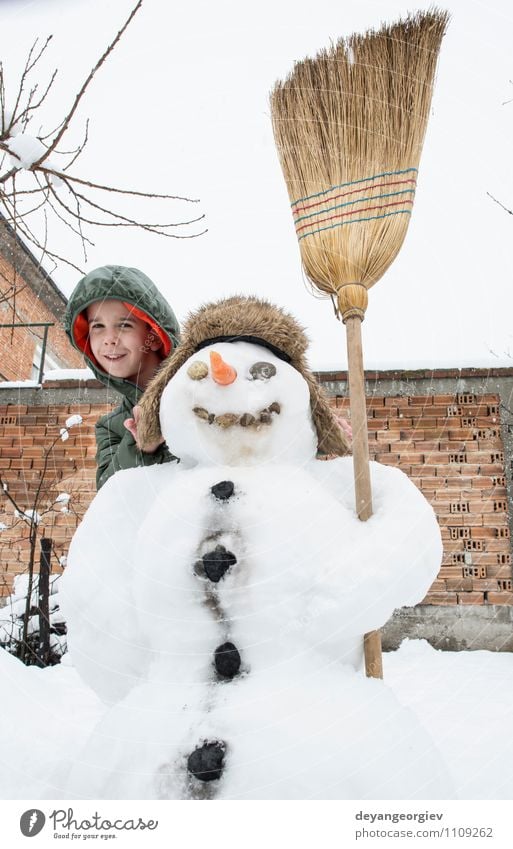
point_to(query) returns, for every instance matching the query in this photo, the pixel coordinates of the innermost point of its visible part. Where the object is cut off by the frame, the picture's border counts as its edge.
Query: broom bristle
(349, 126)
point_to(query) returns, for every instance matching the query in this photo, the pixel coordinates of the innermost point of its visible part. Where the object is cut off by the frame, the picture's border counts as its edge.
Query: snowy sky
(182, 107)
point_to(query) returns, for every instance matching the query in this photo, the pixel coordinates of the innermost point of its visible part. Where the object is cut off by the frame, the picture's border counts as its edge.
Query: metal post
(43, 651)
(43, 354)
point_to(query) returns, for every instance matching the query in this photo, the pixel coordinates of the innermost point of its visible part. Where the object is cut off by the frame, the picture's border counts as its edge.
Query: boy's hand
(131, 425)
(345, 425)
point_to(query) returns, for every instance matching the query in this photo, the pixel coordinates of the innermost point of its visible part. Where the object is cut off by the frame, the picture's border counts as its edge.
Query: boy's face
(123, 345)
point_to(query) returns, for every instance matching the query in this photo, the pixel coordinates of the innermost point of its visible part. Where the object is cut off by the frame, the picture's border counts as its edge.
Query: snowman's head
(238, 404)
(238, 390)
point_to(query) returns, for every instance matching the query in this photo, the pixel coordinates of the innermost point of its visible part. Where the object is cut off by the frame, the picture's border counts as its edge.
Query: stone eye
(262, 371)
(197, 370)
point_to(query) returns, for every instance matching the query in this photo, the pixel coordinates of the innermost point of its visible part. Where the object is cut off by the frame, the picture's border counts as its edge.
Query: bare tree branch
(85, 85)
(505, 208)
(39, 172)
(30, 64)
(131, 192)
(121, 220)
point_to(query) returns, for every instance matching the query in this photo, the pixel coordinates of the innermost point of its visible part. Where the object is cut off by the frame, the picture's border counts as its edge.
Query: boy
(124, 327)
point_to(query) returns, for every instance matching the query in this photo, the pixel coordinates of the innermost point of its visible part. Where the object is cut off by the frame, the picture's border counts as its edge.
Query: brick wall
(36, 300)
(456, 446)
(27, 461)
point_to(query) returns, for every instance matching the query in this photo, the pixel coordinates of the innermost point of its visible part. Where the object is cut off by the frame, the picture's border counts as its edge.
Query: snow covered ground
(463, 699)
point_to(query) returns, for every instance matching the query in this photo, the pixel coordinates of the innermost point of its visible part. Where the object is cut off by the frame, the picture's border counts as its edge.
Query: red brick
(420, 400)
(427, 446)
(483, 533)
(486, 585)
(451, 571)
(416, 471)
(456, 446)
(437, 458)
(473, 520)
(463, 584)
(500, 598)
(437, 586)
(485, 482)
(387, 436)
(460, 434)
(10, 452)
(447, 598)
(446, 399)
(470, 598)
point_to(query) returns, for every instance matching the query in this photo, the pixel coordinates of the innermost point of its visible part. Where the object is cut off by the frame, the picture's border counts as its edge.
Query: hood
(134, 288)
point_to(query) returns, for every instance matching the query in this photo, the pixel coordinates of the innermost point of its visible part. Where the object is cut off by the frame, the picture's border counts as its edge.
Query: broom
(349, 127)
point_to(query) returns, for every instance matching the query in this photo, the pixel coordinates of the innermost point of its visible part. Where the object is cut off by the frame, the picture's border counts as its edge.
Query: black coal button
(227, 660)
(206, 762)
(223, 490)
(217, 562)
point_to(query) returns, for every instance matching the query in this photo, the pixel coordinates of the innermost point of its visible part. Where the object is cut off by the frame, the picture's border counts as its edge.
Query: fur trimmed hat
(247, 319)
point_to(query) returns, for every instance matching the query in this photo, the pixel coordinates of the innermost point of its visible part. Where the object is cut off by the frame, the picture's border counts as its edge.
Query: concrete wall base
(452, 628)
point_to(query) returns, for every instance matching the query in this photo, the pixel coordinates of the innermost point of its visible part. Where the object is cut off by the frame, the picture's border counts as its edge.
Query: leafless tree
(30, 518)
(37, 172)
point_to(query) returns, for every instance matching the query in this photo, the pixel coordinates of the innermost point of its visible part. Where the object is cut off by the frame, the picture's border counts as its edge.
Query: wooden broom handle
(362, 482)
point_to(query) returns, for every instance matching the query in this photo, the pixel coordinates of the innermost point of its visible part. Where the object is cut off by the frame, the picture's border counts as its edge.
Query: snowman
(218, 605)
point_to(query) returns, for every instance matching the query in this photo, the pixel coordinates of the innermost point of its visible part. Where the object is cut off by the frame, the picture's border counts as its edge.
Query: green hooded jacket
(116, 447)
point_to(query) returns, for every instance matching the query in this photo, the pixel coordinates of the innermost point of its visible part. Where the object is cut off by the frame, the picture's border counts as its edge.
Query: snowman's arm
(391, 560)
(96, 595)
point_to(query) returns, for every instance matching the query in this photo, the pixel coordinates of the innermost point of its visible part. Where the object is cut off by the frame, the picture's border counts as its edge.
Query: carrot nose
(222, 373)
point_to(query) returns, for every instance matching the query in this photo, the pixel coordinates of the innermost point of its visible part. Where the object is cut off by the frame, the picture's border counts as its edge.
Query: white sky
(182, 107)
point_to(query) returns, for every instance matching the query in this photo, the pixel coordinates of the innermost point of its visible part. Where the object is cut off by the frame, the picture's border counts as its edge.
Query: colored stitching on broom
(356, 221)
(366, 209)
(355, 192)
(354, 183)
(353, 203)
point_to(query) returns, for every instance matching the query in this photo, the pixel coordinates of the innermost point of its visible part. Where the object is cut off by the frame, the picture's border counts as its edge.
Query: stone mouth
(227, 420)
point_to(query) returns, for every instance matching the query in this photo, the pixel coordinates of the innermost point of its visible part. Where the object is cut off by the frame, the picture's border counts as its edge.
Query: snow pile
(32, 517)
(62, 498)
(12, 617)
(19, 384)
(464, 700)
(45, 715)
(69, 374)
(74, 420)
(27, 150)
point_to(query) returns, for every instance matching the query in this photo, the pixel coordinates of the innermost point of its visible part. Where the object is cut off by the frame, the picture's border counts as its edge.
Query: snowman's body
(220, 605)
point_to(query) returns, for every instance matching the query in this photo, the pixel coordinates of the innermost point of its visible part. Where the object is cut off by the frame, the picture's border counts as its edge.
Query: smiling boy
(123, 345)
(124, 327)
